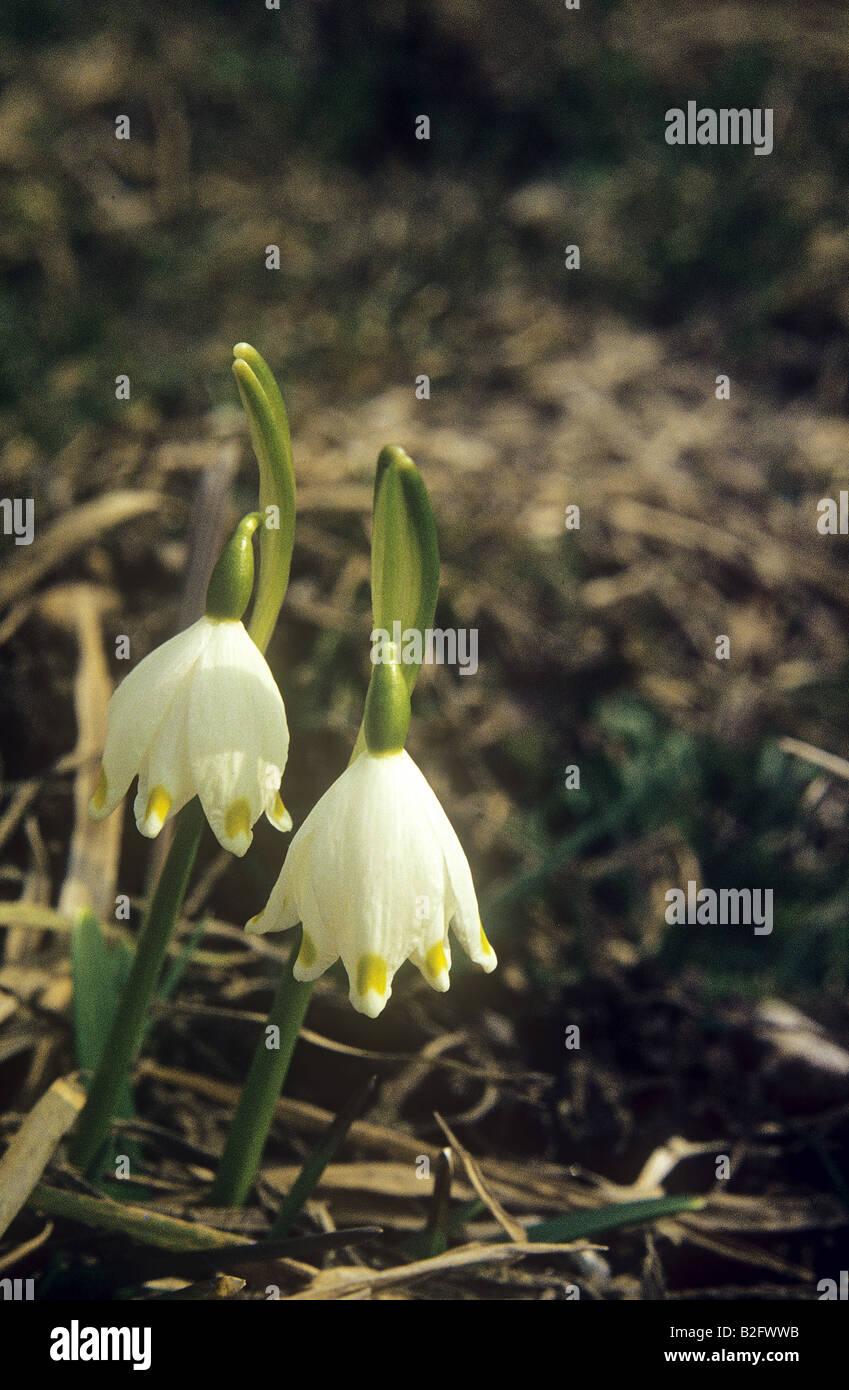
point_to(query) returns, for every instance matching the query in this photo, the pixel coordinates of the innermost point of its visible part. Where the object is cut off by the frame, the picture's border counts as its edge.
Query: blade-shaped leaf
(323, 1153)
(580, 1225)
(99, 970)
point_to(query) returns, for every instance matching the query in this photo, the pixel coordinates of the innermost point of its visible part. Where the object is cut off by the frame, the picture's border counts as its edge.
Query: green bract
(231, 583)
(387, 714)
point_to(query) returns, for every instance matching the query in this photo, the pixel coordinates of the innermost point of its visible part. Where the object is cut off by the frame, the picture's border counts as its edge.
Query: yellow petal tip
(98, 801)
(371, 974)
(491, 960)
(237, 826)
(308, 955)
(155, 812)
(279, 816)
(437, 966)
(371, 993)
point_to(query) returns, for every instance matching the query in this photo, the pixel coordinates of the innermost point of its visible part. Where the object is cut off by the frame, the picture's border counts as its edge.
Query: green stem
(128, 1023)
(258, 1100)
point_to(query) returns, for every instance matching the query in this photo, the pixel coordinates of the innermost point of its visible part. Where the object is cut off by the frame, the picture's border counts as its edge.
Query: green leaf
(269, 429)
(243, 352)
(149, 1227)
(175, 973)
(128, 1023)
(99, 970)
(442, 1222)
(324, 1152)
(579, 1225)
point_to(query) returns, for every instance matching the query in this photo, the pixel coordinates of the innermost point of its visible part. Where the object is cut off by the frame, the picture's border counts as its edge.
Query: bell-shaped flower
(377, 876)
(200, 716)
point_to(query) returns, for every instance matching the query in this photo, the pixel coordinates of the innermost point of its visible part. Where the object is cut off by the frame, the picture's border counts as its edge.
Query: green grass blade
(99, 970)
(585, 1225)
(323, 1153)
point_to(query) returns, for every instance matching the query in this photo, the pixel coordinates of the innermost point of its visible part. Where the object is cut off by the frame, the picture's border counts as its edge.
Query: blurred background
(549, 387)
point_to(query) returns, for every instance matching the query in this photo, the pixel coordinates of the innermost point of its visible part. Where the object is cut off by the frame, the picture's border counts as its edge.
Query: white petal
(276, 813)
(380, 891)
(238, 737)
(434, 962)
(282, 910)
(318, 947)
(165, 776)
(139, 706)
(462, 904)
(375, 874)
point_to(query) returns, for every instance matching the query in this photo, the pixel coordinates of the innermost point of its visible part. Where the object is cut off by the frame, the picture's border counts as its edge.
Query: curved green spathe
(404, 550)
(269, 428)
(404, 559)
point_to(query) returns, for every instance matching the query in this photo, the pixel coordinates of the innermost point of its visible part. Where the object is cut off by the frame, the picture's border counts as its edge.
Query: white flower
(201, 715)
(377, 875)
